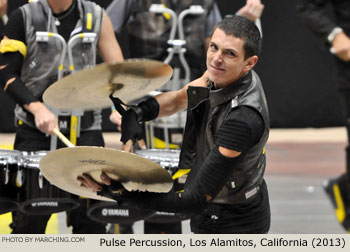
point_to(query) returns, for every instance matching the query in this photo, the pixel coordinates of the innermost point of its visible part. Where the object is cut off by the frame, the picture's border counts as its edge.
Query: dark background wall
(297, 74)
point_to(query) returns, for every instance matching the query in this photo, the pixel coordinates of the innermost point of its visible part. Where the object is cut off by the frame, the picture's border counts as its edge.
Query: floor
(298, 162)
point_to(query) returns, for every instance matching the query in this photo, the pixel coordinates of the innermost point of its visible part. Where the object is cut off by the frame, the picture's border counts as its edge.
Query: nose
(217, 57)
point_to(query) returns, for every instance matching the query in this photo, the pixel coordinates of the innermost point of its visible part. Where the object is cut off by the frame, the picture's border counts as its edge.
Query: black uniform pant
(248, 218)
(343, 82)
(30, 139)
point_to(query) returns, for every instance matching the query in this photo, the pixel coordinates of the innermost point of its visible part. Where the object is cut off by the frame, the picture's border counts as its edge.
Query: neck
(58, 6)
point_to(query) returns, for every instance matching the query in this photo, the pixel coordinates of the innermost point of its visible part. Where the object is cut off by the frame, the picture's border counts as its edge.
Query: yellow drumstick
(62, 138)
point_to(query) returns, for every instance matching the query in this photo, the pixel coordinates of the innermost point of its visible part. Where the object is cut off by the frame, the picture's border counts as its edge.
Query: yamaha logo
(165, 214)
(45, 204)
(115, 212)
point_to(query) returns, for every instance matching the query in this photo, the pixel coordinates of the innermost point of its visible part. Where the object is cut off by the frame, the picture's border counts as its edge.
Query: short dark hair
(245, 29)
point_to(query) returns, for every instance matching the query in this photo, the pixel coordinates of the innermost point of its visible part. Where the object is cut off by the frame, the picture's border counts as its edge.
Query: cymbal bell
(62, 167)
(90, 88)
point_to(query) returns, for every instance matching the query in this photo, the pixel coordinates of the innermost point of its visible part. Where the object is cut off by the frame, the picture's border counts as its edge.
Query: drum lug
(7, 175)
(41, 180)
(19, 177)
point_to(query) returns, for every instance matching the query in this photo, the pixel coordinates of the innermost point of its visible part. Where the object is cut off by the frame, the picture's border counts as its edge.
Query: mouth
(217, 68)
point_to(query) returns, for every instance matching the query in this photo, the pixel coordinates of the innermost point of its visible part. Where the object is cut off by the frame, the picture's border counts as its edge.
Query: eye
(213, 47)
(231, 53)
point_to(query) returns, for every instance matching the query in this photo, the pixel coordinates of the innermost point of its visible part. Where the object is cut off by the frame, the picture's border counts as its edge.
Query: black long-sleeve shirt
(321, 20)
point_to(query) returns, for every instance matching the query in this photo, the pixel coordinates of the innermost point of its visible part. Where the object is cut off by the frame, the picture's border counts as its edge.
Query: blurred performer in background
(333, 29)
(28, 68)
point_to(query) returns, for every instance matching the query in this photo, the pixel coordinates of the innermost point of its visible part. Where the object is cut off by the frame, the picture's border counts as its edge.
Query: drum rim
(157, 218)
(74, 202)
(150, 153)
(10, 155)
(109, 219)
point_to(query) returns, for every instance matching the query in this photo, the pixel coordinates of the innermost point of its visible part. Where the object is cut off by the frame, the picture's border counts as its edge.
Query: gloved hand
(131, 129)
(114, 190)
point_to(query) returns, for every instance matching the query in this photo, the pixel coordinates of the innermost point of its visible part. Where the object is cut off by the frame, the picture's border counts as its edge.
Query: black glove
(113, 191)
(131, 128)
(117, 192)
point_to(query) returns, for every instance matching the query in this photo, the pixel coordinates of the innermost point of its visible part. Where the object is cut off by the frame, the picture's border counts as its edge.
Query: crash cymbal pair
(90, 89)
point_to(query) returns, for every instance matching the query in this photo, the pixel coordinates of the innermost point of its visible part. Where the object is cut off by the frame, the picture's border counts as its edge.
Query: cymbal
(90, 88)
(62, 167)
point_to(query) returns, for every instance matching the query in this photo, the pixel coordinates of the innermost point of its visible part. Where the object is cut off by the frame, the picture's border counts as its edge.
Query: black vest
(207, 110)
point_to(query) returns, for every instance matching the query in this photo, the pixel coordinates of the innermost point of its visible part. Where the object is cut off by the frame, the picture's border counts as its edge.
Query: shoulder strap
(89, 20)
(37, 14)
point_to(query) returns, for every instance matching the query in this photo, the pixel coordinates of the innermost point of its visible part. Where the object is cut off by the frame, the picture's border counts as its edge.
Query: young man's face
(225, 59)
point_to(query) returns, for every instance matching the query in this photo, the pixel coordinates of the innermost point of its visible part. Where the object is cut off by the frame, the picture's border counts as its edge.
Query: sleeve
(317, 17)
(242, 129)
(119, 12)
(209, 180)
(13, 50)
(14, 29)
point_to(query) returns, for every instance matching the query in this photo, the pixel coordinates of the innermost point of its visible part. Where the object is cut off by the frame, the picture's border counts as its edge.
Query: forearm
(188, 202)
(171, 102)
(10, 66)
(175, 101)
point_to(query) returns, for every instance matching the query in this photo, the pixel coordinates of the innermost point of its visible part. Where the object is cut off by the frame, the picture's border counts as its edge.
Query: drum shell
(37, 195)
(8, 174)
(112, 212)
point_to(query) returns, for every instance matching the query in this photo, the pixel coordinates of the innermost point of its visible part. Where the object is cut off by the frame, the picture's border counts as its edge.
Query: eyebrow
(225, 50)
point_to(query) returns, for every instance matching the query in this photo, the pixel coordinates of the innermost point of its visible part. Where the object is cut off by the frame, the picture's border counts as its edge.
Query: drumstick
(62, 138)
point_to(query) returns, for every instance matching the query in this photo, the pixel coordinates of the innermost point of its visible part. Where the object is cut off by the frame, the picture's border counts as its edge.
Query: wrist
(147, 110)
(19, 92)
(34, 107)
(139, 113)
(331, 36)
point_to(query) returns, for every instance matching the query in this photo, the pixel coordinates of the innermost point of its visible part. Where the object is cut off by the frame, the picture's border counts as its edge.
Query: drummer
(226, 130)
(28, 67)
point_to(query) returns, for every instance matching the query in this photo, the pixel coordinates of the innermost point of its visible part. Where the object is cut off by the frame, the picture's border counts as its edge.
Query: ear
(250, 63)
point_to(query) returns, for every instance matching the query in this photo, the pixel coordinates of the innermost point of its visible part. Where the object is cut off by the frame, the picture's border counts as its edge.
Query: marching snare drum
(8, 174)
(169, 160)
(37, 195)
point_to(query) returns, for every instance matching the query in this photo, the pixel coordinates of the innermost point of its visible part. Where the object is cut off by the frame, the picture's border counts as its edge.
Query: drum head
(111, 212)
(42, 206)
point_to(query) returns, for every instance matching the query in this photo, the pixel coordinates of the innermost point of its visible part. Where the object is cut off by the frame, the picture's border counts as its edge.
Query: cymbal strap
(118, 104)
